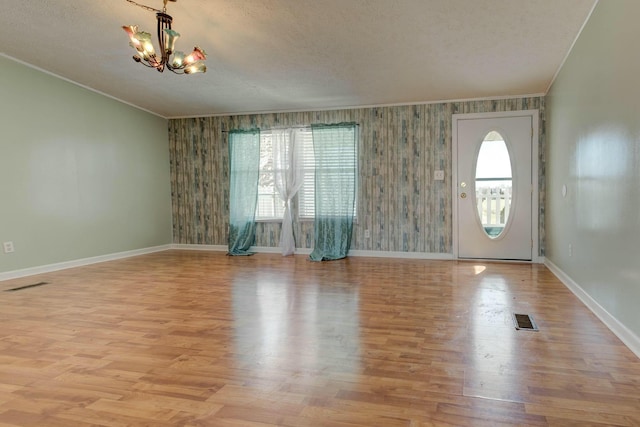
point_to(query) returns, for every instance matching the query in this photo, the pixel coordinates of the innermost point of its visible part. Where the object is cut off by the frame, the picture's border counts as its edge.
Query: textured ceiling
(289, 55)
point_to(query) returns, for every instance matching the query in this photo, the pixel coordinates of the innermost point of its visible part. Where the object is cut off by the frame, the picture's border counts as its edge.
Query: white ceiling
(290, 55)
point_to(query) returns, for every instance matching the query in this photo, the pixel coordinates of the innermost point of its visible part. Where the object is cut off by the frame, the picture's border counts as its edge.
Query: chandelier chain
(148, 7)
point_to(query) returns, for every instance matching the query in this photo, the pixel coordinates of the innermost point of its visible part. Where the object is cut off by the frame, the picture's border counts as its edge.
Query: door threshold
(509, 261)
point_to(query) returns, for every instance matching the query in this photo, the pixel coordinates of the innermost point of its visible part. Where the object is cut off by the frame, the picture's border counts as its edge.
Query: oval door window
(493, 184)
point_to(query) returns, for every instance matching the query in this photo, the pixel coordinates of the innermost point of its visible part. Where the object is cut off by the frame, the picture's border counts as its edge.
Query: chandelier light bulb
(131, 30)
(197, 67)
(171, 37)
(197, 55)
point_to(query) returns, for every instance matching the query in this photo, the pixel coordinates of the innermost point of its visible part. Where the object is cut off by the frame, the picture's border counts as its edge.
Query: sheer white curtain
(287, 158)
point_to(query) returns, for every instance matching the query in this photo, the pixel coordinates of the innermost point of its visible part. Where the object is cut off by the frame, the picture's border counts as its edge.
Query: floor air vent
(19, 288)
(524, 322)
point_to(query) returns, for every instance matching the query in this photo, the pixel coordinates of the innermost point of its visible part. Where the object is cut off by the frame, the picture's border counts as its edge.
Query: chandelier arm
(164, 23)
(146, 64)
(173, 70)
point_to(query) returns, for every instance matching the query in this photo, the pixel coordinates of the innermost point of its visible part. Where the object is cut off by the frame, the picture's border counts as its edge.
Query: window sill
(265, 220)
(311, 219)
(305, 219)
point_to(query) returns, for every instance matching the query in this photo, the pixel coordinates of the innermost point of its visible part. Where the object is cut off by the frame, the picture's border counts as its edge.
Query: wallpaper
(400, 204)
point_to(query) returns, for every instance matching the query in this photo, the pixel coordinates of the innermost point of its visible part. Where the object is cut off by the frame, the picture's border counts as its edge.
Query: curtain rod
(289, 127)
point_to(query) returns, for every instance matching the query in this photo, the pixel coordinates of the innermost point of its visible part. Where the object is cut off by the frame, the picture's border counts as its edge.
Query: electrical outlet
(8, 247)
(438, 175)
(367, 234)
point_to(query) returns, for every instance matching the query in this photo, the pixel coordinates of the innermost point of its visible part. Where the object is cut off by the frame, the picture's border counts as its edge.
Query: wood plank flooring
(183, 338)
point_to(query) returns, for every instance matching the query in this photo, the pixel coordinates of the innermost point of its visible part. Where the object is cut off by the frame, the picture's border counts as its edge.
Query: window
(493, 184)
(270, 205)
(306, 194)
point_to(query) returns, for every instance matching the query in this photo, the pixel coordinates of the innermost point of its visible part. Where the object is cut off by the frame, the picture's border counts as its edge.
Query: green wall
(593, 140)
(81, 175)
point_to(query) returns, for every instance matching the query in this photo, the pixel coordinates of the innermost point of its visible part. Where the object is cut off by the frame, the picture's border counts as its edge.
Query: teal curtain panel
(335, 151)
(244, 155)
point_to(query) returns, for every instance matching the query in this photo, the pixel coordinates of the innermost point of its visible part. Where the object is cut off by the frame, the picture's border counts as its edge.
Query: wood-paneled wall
(400, 204)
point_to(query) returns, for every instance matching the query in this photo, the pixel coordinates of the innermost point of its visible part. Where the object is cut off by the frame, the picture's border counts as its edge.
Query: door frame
(535, 175)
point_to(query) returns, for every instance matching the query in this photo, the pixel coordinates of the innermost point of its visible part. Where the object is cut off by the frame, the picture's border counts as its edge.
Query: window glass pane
(306, 197)
(339, 164)
(493, 184)
(270, 206)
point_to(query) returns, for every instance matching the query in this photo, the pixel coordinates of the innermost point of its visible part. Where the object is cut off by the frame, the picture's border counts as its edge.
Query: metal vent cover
(524, 322)
(19, 288)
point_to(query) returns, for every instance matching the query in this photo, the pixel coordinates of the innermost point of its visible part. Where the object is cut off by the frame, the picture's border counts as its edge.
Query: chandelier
(168, 57)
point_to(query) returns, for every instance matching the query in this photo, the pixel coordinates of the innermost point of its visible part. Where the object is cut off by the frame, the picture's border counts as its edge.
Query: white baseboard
(630, 339)
(401, 255)
(307, 251)
(277, 250)
(214, 248)
(225, 248)
(15, 274)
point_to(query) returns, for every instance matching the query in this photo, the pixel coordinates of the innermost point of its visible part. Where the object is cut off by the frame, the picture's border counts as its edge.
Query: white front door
(494, 187)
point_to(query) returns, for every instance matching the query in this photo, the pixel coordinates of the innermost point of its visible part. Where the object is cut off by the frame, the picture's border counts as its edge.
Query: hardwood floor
(183, 338)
